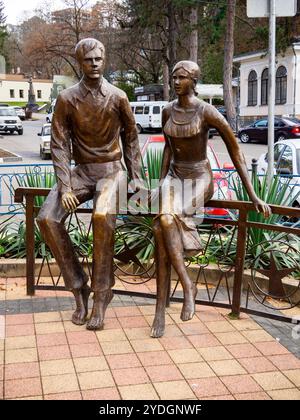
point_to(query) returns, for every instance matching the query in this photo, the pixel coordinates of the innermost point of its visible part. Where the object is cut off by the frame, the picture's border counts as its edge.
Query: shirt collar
(84, 89)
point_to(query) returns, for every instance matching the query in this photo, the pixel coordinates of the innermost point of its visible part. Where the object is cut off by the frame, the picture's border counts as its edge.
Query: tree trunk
(171, 43)
(166, 81)
(194, 34)
(228, 64)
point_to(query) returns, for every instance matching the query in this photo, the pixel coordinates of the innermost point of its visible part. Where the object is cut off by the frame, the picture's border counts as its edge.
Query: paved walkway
(44, 356)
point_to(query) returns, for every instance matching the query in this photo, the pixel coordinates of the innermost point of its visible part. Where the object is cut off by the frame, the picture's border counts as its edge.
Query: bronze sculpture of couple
(92, 116)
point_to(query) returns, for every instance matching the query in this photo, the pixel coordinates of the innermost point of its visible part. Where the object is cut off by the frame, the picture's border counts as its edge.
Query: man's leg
(51, 220)
(104, 220)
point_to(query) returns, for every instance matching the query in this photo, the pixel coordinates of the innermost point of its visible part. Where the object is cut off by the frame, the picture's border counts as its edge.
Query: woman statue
(186, 122)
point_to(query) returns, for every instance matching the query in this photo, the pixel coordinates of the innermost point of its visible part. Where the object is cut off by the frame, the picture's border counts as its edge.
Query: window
(279, 123)
(12, 93)
(156, 110)
(139, 110)
(286, 161)
(21, 93)
(146, 110)
(261, 123)
(281, 85)
(264, 87)
(252, 88)
(39, 94)
(278, 148)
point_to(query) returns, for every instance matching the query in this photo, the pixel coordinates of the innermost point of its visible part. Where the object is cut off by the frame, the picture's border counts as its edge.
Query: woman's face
(183, 84)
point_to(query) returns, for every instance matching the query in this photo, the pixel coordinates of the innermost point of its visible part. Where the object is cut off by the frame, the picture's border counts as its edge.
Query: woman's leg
(173, 245)
(163, 278)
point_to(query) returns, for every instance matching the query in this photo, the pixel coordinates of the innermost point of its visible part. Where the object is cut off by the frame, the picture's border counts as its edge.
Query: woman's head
(187, 69)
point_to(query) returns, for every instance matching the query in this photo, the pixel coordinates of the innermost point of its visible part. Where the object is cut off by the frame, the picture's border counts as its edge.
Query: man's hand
(262, 207)
(69, 201)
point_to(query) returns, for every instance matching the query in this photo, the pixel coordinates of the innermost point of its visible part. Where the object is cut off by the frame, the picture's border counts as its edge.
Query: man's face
(93, 64)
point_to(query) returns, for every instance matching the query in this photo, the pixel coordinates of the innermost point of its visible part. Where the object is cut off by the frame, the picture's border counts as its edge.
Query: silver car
(45, 137)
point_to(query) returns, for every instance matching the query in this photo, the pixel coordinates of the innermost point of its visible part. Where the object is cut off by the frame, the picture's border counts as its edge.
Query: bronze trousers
(100, 182)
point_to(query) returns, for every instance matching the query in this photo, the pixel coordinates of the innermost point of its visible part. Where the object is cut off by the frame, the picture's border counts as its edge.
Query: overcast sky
(16, 10)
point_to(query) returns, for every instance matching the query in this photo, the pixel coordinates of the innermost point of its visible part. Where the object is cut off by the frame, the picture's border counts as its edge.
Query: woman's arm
(167, 151)
(214, 119)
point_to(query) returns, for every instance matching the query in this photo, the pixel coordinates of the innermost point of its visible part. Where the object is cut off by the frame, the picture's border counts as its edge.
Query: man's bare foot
(188, 309)
(158, 326)
(82, 299)
(101, 301)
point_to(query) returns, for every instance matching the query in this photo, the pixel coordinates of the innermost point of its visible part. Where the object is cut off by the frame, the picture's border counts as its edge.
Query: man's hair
(86, 45)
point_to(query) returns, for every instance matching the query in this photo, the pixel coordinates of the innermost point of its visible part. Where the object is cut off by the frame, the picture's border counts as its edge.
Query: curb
(14, 158)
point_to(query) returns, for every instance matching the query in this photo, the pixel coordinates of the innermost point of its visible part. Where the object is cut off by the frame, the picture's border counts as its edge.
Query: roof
(293, 142)
(209, 91)
(21, 78)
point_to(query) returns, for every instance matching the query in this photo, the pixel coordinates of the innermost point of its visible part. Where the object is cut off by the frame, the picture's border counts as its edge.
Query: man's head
(90, 53)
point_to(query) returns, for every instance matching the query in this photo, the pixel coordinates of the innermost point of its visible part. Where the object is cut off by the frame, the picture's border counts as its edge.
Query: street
(27, 145)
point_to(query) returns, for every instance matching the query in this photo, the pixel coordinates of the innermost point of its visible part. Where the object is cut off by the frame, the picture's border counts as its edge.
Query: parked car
(20, 112)
(221, 187)
(9, 121)
(45, 137)
(284, 128)
(50, 112)
(286, 162)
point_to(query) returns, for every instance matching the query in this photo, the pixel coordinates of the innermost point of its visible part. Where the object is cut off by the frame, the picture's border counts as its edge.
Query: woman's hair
(86, 45)
(191, 68)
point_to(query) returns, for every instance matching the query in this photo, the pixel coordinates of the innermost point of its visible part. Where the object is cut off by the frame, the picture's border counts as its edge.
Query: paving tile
(196, 370)
(227, 367)
(133, 322)
(130, 376)
(271, 348)
(177, 391)
(90, 364)
(47, 317)
(219, 326)
(175, 343)
(22, 370)
(185, 356)
(54, 339)
(147, 309)
(64, 396)
(121, 361)
(155, 358)
(111, 323)
(171, 331)
(35, 398)
(111, 335)
(57, 367)
(257, 364)
(21, 342)
(195, 328)
(243, 350)
(127, 311)
(19, 330)
(241, 384)
(69, 327)
(257, 336)
(95, 380)
(208, 387)
(19, 319)
(204, 340)
(244, 324)
(209, 316)
(59, 383)
(138, 392)
(286, 394)
(54, 353)
(293, 375)
(227, 338)
(2, 343)
(82, 337)
(164, 373)
(252, 396)
(220, 398)
(22, 388)
(21, 356)
(116, 347)
(108, 394)
(150, 344)
(49, 328)
(1, 372)
(214, 353)
(175, 317)
(285, 361)
(272, 381)
(86, 350)
(141, 333)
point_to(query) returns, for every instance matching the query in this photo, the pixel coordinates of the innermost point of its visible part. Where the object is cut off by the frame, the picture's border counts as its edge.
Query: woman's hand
(262, 207)
(69, 201)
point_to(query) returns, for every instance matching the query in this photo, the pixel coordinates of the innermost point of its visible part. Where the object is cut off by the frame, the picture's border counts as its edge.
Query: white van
(148, 114)
(50, 112)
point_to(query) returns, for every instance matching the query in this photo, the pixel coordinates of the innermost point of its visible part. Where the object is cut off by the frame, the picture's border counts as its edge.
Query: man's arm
(130, 142)
(61, 153)
(214, 119)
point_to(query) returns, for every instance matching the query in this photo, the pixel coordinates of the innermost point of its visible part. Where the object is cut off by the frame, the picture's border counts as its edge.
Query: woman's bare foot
(101, 301)
(188, 309)
(158, 326)
(81, 298)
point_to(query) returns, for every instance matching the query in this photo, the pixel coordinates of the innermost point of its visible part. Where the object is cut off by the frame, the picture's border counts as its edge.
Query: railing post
(239, 263)
(30, 244)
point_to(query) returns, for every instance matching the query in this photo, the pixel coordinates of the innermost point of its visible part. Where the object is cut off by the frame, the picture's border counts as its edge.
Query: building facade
(253, 84)
(14, 88)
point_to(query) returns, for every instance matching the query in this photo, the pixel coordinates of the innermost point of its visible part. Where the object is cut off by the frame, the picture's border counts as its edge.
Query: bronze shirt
(94, 124)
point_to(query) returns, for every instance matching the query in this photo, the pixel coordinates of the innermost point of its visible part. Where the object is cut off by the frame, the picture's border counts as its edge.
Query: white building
(254, 84)
(14, 88)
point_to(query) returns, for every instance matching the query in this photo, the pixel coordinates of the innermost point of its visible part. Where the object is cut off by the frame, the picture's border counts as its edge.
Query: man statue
(88, 120)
